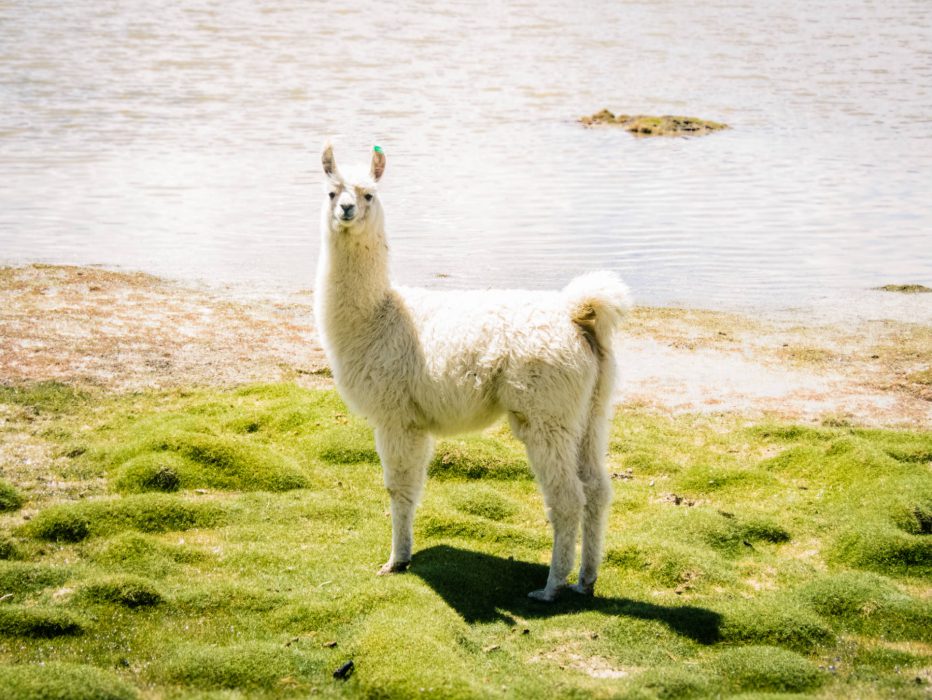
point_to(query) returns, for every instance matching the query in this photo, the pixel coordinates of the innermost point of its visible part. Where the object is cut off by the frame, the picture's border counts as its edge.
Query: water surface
(183, 139)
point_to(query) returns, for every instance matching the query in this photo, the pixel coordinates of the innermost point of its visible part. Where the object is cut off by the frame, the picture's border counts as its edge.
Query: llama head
(352, 205)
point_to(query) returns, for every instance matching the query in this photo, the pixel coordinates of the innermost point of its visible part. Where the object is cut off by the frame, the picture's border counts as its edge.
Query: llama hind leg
(553, 458)
(597, 487)
(404, 455)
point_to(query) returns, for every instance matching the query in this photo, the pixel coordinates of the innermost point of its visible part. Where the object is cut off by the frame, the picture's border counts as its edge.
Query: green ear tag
(377, 149)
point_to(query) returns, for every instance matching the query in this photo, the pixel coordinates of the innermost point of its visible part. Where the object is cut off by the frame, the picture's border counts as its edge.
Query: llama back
(488, 327)
(597, 302)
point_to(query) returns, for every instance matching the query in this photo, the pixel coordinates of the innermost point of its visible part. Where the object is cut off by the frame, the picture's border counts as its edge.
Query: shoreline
(121, 331)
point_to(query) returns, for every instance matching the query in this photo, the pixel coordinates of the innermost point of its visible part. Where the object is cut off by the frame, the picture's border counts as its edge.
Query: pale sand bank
(133, 331)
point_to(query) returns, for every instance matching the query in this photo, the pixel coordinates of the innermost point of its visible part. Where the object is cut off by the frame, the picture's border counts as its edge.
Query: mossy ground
(741, 558)
(644, 125)
(905, 288)
(10, 499)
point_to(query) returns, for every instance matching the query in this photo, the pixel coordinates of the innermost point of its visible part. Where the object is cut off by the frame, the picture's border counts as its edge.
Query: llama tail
(598, 301)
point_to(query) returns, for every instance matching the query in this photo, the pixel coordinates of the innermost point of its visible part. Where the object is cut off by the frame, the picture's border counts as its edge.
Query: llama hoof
(393, 568)
(583, 589)
(546, 595)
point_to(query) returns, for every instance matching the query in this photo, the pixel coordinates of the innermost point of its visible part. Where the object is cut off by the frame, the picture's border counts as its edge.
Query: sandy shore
(132, 331)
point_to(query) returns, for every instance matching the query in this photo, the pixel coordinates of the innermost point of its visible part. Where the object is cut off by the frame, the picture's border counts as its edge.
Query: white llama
(420, 363)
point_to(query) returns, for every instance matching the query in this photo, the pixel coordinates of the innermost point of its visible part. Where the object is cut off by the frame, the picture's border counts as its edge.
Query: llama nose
(348, 209)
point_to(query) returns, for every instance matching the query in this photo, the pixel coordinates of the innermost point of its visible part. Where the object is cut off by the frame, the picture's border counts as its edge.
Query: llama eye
(368, 197)
(332, 195)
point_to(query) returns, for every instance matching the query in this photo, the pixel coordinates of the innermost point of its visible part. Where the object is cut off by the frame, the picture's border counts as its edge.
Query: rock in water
(643, 125)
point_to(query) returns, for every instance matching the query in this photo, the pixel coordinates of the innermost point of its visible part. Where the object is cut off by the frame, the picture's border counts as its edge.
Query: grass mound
(352, 443)
(792, 433)
(915, 519)
(645, 462)
(765, 668)
(885, 549)
(9, 549)
(485, 503)
(243, 440)
(479, 457)
(10, 499)
(19, 621)
(731, 534)
(151, 472)
(703, 479)
(875, 492)
(867, 603)
(909, 449)
(389, 644)
(775, 622)
(142, 554)
(19, 577)
(884, 659)
(671, 683)
(444, 527)
(669, 564)
(128, 591)
(242, 667)
(145, 512)
(705, 547)
(59, 681)
(195, 460)
(65, 523)
(226, 597)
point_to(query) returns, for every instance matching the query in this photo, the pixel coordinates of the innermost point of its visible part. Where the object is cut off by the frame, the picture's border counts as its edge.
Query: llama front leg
(404, 454)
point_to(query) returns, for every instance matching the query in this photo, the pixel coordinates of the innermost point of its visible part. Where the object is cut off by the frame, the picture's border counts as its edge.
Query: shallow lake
(183, 139)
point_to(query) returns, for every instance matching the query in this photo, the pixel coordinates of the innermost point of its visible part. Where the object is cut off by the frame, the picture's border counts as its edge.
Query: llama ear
(330, 165)
(378, 163)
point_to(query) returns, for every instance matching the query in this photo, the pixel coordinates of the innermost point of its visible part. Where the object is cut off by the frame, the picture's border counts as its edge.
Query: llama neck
(352, 277)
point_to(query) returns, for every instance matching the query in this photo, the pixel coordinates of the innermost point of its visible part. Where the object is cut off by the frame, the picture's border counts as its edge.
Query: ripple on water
(183, 140)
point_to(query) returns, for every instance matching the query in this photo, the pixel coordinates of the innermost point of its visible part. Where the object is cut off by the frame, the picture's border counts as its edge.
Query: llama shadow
(485, 588)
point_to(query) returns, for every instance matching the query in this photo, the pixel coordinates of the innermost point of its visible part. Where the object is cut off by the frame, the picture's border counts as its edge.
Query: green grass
(34, 622)
(223, 544)
(73, 522)
(128, 591)
(249, 666)
(142, 554)
(775, 620)
(757, 668)
(866, 603)
(174, 454)
(9, 549)
(10, 499)
(57, 681)
(42, 398)
(19, 577)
